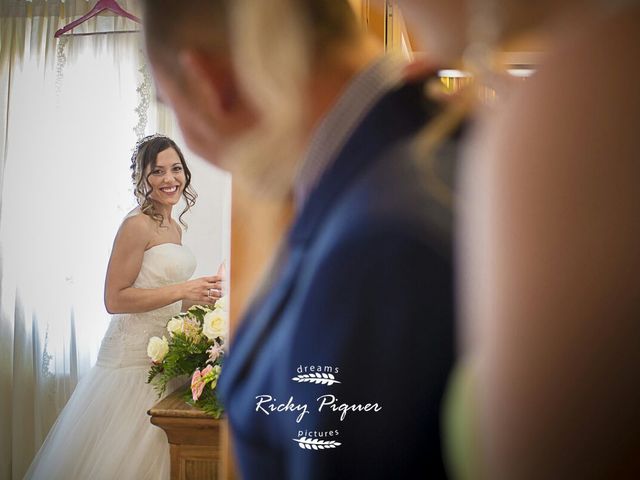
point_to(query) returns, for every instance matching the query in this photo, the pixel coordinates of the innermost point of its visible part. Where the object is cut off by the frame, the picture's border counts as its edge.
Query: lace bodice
(125, 343)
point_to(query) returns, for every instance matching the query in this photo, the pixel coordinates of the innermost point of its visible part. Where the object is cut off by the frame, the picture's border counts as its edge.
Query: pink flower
(214, 352)
(191, 329)
(199, 380)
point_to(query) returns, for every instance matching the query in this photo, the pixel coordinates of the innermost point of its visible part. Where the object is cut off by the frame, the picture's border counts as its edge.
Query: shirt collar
(364, 90)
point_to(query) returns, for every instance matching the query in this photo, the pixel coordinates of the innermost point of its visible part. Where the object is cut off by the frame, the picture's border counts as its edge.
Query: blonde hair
(271, 57)
(276, 44)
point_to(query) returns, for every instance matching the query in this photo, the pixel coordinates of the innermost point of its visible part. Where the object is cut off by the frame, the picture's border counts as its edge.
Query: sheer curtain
(66, 135)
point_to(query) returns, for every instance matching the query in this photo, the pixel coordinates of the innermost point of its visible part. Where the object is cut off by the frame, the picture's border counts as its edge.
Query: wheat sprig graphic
(315, 443)
(319, 378)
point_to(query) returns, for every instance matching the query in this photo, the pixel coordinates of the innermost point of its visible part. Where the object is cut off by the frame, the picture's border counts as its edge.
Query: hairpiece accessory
(139, 144)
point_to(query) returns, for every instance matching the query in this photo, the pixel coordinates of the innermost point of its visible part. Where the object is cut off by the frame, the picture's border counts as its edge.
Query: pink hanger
(100, 6)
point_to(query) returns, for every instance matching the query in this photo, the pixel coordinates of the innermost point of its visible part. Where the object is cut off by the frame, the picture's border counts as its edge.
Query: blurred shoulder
(598, 61)
(574, 115)
(589, 71)
(407, 194)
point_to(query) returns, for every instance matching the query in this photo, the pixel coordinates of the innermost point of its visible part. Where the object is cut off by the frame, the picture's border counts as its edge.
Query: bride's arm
(124, 265)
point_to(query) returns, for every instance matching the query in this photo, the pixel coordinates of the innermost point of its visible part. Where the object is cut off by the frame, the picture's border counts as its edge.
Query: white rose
(157, 348)
(214, 324)
(175, 325)
(221, 303)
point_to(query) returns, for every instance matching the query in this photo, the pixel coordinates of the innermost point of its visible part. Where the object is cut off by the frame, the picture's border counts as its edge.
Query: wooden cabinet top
(173, 405)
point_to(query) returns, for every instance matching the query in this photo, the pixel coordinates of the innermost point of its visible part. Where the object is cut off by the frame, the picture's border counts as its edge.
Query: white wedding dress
(104, 431)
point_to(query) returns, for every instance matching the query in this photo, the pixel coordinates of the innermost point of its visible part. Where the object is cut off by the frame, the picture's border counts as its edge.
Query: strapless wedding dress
(104, 430)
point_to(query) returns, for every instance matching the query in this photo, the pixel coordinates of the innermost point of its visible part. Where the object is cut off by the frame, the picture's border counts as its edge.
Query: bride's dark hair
(145, 155)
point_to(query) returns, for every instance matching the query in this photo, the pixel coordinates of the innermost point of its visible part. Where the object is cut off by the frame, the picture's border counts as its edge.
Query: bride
(104, 432)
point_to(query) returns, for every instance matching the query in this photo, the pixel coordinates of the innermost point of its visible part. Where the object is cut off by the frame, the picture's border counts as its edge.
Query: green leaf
(208, 402)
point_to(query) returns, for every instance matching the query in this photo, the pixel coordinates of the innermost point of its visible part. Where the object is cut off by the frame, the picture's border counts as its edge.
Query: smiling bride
(103, 432)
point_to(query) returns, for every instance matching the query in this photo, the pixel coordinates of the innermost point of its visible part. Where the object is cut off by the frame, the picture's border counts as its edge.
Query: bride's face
(167, 178)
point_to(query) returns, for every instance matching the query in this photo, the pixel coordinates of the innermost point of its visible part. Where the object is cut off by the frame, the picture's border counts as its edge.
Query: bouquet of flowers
(195, 347)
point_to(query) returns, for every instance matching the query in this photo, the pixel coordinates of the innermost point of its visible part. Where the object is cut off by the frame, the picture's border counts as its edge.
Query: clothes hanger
(100, 6)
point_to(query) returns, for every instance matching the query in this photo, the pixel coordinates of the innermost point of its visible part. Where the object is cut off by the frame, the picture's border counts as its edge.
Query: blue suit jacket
(364, 292)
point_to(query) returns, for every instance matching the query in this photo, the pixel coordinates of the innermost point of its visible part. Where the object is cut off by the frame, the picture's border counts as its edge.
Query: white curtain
(66, 135)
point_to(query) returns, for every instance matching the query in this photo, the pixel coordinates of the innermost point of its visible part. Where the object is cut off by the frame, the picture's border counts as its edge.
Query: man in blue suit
(339, 367)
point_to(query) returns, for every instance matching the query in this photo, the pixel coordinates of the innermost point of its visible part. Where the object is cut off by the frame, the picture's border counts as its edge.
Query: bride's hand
(204, 290)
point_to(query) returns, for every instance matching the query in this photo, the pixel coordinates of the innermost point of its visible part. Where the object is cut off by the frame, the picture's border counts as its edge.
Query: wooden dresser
(198, 443)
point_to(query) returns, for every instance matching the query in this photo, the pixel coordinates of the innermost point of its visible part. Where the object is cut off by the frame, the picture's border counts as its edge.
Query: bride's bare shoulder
(137, 226)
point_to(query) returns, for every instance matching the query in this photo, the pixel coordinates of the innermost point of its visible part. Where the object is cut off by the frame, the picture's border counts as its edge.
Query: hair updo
(144, 156)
